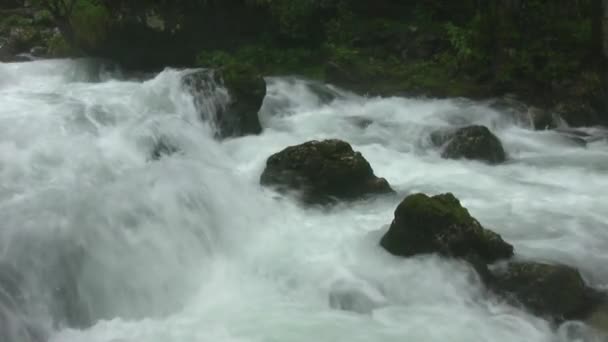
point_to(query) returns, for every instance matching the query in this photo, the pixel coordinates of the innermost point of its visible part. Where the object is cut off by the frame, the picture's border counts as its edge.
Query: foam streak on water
(104, 244)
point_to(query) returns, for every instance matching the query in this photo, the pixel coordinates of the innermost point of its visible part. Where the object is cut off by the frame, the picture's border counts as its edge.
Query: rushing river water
(100, 243)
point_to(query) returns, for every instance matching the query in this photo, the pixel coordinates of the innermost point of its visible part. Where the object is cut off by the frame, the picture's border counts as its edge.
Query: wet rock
(360, 121)
(234, 113)
(471, 142)
(440, 224)
(578, 113)
(163, 147)
(323, 171)
(325, 94)
(599, 318)
(531, 117)
(247, 90)
(573, 132)
(555, 291)
(356, 297)
(575, 136)
(509, 104)
(542, 119)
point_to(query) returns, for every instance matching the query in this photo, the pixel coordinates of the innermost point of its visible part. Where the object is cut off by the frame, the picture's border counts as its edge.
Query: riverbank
(436, 50)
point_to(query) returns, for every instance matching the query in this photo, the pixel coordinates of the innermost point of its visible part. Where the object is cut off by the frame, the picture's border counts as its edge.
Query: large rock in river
(471, 142)
(554, 291)
(230, 100)
(439, 224)
(323, 171)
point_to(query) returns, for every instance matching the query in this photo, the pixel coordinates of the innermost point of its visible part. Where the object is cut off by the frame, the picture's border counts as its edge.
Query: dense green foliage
(440, 47)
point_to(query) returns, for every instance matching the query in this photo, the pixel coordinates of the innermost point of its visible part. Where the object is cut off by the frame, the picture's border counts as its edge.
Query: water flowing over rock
(323, 170)
(103, 244)
(543, 119)
(163, 147)
(230, 105)
(359, 297)
(471, 142)
(439, 224)
(554, 291)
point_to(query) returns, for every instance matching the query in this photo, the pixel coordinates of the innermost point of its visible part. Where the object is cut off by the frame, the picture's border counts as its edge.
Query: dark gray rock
(323, 171)
(542, 119)
(554, 291)
(163, 147)
(439, 224)
(471, 142)
(233, 113)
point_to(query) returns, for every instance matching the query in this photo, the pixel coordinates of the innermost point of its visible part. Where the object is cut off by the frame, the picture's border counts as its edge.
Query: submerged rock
(555, 291)
(357, 297)
(439, 224)
(575, 136)
(471, 142)
(542, 119)
(163, 147)
(231, 101)
(323, 171)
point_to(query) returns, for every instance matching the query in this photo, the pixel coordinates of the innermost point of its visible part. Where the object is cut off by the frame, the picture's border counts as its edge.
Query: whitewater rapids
(104, 244)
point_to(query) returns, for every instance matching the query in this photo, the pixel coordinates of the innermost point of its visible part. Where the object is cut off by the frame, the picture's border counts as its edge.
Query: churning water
(101, 243)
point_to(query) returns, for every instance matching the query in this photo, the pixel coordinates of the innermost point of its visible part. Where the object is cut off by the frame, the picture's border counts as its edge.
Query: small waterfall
(211, 98)
(104, 240)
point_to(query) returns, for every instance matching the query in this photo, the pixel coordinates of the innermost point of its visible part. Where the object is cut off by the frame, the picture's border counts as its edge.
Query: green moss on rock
(236, 115)
(440, 224)
(323, 171)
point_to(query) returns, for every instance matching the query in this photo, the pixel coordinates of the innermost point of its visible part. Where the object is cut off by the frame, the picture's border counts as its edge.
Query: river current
(99, 242)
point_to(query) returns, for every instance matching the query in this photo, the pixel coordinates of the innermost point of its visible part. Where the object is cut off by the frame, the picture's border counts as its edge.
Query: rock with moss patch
(440, 224)
(471, 142)
(554, 291)
(235, 112)
(247, 90)
(323, 171)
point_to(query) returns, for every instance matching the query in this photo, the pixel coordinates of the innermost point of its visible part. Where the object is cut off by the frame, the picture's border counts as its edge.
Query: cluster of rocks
(440, 224)
(329, 170)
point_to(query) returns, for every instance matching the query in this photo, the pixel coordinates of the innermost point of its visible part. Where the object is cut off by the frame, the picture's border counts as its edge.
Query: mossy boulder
(247, 90)
(440, 224)
(231, 100)
(554, 291)
(470, 142)
(323, 171)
